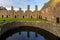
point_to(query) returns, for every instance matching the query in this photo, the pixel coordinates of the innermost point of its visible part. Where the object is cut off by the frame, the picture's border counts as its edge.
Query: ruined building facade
(48, 12)
(20, 13)
(51, 11)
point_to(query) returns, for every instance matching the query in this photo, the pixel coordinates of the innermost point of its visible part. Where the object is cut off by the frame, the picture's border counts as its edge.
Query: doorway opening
(7, 16)
(31, 16)
(2, 16)
(23, 16)
(15, 16)
(57, 20)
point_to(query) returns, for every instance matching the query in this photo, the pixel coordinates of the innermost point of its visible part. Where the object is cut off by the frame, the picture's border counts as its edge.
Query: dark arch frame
(46, 34)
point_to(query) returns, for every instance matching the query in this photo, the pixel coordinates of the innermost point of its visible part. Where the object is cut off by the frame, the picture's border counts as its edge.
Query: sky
(22, 4)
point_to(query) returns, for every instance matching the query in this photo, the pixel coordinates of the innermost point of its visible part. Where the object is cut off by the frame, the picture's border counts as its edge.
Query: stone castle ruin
(20, 13)
(50, 11)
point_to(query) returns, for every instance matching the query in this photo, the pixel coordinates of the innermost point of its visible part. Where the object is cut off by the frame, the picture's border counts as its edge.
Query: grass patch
(20, 19)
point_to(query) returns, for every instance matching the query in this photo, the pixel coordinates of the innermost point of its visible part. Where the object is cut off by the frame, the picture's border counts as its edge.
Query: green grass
(20, 19)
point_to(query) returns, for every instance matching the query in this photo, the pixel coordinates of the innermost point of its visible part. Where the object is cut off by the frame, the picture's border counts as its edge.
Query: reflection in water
(23, 36)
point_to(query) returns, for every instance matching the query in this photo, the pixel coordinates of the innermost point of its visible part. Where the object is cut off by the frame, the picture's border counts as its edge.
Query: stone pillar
(28, 34)
(28, 8)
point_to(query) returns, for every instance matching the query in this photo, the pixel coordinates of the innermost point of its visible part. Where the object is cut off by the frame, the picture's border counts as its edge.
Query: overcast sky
(22, 3)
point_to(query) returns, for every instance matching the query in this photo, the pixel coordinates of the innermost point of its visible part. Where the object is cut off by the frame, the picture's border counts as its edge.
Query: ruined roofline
(28, 8)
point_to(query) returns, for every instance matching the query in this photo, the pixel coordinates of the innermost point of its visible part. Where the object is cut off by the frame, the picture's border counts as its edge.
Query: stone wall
(49, 27)
(51, 13)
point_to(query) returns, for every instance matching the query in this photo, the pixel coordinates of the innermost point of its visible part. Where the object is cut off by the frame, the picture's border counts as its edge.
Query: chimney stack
(28, 7)
(19, 8)
(12, 8)
(36, 7)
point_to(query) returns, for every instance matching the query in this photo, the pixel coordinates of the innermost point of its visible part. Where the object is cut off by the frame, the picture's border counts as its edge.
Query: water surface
(23, 36)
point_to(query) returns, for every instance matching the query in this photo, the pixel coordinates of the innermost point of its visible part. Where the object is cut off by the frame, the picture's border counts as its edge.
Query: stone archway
(46, 34)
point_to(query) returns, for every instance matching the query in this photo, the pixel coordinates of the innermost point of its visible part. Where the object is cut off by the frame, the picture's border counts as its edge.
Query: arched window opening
(15, 16)
(57, 20)
(31, 16)
(23, 16)
(7, 16)
(39, 17)
(2, 16)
